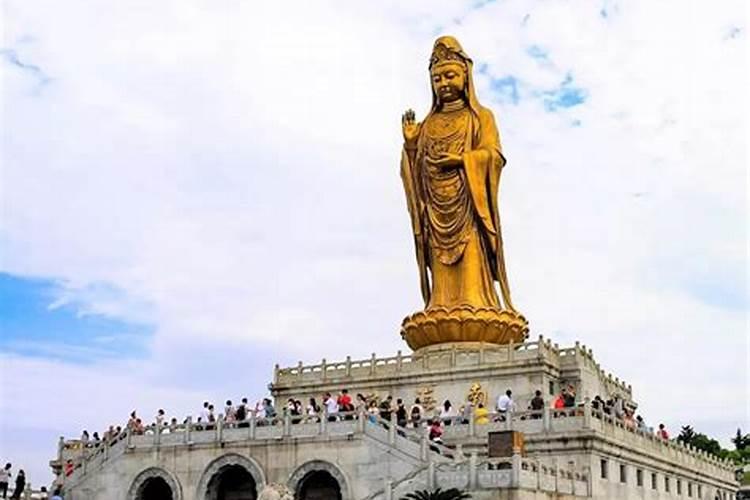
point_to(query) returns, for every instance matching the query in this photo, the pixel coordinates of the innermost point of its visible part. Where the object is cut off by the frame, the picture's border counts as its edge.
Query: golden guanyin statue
(450, 165)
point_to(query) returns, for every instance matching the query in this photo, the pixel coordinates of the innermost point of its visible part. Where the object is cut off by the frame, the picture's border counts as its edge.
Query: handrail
(91, 455)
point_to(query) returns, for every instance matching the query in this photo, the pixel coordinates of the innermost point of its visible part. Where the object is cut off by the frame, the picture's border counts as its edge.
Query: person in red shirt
(436, 434)
(436, 431)
(662, 433)
(345, 403)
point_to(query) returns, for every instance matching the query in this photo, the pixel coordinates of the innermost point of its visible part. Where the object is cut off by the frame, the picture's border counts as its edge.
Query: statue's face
(448, 82)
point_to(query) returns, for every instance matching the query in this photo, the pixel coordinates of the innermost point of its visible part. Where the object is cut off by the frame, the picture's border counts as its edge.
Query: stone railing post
(27, 492)
(157, 435)
(587, 413)
(458, 453)
(387, 489)
(453, 355)
(472, 424)
(373, 359)
(128, 437)
(348, 366)
(546, 418)
(557, 475)
(323, 416)
(107, 443)
(276, 373)
(481, 353)
(511, 348)
(515, 470)
(392, 429)
(423, 445)
(361, 416)
(509, 415)
(60, 448)
(188, 430)
(323, 369)
(253, 424)
(473, 470)
(299, 369)
(220, 428)
(399, 360)
(287, 430)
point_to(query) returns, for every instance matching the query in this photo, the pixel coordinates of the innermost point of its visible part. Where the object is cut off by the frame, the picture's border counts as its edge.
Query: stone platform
(449, 371)
(578, 452)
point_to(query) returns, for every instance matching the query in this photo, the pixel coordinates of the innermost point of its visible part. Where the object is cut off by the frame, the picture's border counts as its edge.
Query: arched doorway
(232, 482)
(154, 483)
(155, 489)
(318, 485)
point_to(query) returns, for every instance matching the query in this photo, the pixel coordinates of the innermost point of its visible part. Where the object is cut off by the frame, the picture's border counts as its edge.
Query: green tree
(438, 494)
(740, 455)
(687, 435)
(741, 442)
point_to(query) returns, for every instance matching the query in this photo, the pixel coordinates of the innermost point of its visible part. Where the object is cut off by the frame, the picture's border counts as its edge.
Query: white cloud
(232, 172)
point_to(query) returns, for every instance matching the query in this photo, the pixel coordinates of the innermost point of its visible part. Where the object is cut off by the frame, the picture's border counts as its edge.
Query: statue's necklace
(447, 122)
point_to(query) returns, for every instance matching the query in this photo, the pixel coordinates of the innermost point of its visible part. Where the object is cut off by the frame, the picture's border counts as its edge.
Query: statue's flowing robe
(466, 276)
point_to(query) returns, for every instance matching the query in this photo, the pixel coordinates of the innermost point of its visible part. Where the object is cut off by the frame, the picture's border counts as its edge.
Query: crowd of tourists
(343, 406)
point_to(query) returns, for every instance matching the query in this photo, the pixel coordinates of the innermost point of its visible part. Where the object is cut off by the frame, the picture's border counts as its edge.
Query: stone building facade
(579, 452)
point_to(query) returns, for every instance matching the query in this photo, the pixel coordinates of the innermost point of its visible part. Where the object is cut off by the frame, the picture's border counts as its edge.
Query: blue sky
(192, 192)
(36, 321)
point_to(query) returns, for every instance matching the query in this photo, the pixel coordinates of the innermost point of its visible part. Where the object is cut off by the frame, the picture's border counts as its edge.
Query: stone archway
(319, 480)
(155, 484)
(231, 477)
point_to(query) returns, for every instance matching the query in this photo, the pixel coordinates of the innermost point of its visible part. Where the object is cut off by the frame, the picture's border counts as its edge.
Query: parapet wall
(449, 372)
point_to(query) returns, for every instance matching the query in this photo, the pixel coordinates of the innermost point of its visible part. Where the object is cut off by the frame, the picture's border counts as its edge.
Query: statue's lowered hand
(447, 160)
(410, 127)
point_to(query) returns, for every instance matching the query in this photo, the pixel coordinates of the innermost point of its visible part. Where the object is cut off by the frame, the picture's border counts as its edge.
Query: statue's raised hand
(410, 128)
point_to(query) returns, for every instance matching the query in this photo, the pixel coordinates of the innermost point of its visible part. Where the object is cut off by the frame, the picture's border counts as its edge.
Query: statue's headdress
(448, 50)
(443, 54)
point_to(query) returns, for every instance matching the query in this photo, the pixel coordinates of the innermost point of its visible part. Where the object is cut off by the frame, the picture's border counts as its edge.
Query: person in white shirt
(505, 404)
(159, 420)
(5, 479)
(260, 413)
(332, 407)
(204, 412)
(448, 414)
